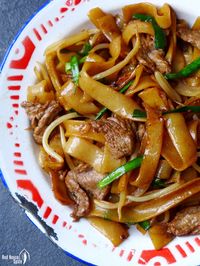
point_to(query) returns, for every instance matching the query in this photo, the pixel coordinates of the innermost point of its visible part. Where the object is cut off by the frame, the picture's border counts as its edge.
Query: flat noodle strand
(127, 70)
(161, 15)
(154, 195)
(48, 132)
(164, 84)
(63, 142)
(69, 41)
(120, 65)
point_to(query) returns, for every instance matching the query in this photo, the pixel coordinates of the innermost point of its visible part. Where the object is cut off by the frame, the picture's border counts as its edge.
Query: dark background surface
(16, 231)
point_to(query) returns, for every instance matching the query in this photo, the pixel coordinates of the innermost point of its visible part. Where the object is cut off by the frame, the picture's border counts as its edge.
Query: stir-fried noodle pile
(116, 114)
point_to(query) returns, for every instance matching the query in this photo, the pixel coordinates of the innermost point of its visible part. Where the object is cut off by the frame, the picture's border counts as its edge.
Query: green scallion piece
(142, 114)
(74, 62)
(139, 114)
(158, 183)
(67, 67)
(82, 60)
(145, 225)
(195, 109)
(133, 164)
(160, 37)
(86, 49)
(101, 113)
(186, 71)
(125, 88)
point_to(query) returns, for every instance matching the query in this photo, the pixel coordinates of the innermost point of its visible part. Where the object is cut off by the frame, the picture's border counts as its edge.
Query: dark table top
(16, 231)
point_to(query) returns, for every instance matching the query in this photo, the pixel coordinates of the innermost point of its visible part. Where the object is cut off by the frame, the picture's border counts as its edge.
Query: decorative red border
(28, 46)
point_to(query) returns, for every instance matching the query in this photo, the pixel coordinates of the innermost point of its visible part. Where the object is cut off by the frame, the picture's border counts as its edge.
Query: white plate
(22, 174)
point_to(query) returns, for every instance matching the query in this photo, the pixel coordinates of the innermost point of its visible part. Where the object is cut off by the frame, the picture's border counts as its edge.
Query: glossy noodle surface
(116, 114)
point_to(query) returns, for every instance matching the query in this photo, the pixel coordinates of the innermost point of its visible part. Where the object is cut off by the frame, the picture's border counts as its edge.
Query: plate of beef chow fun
(100, 129)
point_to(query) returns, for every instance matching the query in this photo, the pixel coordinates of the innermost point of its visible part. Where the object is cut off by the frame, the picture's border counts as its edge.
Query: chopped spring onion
(86, 49)
(82, 60)
(74, 62)
(160, 37)
(139, 114)
(125, 88)
(68, 64)
(158, 183)
(67, 67)
(104, 110)
(133, 164)
(186, 71)
(101, 113)
(145, 225)
(196, 109)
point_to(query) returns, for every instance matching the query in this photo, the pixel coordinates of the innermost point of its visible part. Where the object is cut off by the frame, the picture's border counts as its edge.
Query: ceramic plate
(28, 184)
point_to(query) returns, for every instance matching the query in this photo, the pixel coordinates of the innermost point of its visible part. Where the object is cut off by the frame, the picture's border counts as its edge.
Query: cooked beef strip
(119, 135)
(126, 75)
(147, 45)
(41, 115)
(88, 178)
(84, 178)
(80, 197)
(188, 35)
(186, 222)
(157, 57)
(152, 58)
